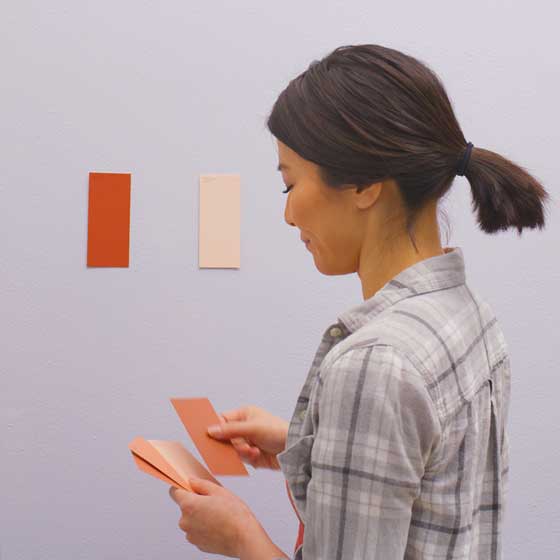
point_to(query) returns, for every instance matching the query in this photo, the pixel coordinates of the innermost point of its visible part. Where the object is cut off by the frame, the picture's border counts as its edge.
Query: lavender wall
(168, 90)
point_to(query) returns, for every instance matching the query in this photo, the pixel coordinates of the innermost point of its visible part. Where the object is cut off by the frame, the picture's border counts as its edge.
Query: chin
(330, 270)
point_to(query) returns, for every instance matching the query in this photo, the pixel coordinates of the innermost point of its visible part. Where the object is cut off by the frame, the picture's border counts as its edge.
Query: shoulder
(424, 340)
(372, 371)
(375, 393)
(410, 329)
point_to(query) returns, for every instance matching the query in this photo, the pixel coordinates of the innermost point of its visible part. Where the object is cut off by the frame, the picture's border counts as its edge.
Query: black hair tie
(465, 161)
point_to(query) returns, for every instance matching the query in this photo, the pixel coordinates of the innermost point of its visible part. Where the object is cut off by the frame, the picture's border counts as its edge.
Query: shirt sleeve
(376, 426)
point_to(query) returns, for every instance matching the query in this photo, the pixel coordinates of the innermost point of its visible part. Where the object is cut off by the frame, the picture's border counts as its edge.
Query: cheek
(320, 220)
(305, 212)
(337, 236)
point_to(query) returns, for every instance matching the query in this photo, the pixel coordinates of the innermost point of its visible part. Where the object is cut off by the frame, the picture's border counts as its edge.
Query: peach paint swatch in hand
(219, 243)
(108, 219)
(169, 461)
(220, 456)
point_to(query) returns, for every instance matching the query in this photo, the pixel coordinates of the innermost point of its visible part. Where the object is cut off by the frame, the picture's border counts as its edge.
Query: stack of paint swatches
(171, 462)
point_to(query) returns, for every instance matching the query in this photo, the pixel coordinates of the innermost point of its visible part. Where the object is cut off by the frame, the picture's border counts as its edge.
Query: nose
(287, 214)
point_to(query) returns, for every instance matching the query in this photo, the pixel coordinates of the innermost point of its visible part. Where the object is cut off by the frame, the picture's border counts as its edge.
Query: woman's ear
(368, 196)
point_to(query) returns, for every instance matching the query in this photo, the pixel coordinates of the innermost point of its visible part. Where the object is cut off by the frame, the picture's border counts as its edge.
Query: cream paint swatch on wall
(220, 221)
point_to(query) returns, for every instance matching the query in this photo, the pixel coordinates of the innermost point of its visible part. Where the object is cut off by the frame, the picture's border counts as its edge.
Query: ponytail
(504, 194)
(365, 113)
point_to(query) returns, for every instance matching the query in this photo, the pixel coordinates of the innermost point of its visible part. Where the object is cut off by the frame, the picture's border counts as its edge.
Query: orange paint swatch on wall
(108, 219)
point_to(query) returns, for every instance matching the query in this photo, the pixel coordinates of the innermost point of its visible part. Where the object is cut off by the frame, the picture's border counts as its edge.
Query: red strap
(299, 540)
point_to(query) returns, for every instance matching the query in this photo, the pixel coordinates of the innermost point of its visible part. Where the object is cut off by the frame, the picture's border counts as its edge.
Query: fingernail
(214, 430)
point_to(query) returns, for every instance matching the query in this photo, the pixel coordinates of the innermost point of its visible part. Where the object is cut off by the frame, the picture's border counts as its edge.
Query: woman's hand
(216, 521)
(257, 435)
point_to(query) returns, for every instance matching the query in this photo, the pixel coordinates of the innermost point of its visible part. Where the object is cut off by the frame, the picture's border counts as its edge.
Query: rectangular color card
(150, 460)
(184, 462)
(148, 468)
(220, 456)
(220, 221)
(169, 461)
(108, 219)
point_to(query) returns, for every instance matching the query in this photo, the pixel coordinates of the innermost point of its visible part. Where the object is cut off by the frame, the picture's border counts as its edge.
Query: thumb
(177, 494)
(204, 487)
(233, 429)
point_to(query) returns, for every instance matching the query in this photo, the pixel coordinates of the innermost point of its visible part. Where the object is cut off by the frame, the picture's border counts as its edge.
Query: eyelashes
(288, 189)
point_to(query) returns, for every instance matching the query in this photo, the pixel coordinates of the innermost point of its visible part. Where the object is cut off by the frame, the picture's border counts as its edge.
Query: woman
(397, 446)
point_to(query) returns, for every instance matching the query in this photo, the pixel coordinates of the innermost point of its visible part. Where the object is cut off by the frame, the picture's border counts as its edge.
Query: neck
(379, 263)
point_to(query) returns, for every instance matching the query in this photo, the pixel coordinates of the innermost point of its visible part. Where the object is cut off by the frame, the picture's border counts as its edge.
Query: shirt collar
(428, 275)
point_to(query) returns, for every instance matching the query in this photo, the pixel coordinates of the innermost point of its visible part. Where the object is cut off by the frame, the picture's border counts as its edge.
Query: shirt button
(335, 332)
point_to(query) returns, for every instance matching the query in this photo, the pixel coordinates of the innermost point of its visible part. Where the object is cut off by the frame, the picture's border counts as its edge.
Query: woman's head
(376, 130)
(342, 224)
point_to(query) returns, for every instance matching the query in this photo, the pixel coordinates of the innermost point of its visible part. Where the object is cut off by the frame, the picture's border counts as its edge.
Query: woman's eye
(288, 188)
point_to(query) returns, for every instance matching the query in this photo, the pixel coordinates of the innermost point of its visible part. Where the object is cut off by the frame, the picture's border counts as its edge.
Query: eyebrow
(282, 166)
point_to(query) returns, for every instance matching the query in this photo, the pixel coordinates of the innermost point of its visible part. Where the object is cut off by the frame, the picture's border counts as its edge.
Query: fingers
(236, 414)
(199, 487)
(206, 487)
(253, 456)
(179, 496)
(241, 445)
(244, 447)
(249, 454)
(233, 429)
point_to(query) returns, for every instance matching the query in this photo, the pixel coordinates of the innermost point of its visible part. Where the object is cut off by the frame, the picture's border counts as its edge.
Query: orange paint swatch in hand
(108, 219)
(220, 456)
(169, 461)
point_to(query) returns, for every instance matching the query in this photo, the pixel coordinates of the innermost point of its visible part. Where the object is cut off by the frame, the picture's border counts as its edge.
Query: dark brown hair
(365, 113)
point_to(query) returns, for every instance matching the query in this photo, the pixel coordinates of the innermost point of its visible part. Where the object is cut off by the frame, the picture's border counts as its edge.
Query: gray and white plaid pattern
(397, 445)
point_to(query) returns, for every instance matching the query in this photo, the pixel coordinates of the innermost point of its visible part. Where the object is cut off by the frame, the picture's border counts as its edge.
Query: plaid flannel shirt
(397, 445)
